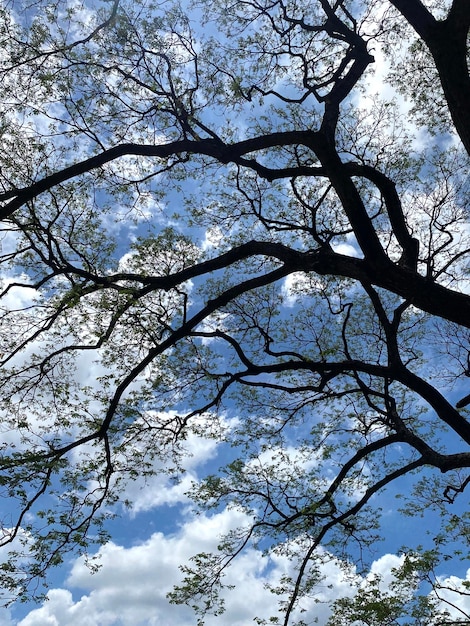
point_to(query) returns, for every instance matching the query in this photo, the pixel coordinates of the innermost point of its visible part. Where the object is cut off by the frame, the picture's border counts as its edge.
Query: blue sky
(162, 531)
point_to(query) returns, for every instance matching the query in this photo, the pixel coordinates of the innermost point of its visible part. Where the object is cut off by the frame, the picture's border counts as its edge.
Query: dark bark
(375, 268)
(447, 42)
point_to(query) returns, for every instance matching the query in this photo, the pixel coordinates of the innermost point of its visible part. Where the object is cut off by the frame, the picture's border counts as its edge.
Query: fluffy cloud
(455, 594)
(131, 586)
(146, 493)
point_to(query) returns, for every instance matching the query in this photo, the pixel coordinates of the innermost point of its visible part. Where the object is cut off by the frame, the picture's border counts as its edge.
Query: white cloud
(455, 595)
(347, 249)
(383, 567)
(298, 285)
(212, 239)
(160, 489)
(131, 586)
(18, 296)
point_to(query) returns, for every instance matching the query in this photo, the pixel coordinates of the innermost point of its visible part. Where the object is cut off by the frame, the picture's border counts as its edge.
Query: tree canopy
(250, 221)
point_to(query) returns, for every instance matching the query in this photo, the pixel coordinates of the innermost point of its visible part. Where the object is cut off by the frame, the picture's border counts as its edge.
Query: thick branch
(444, 410)
(387, 188)
(417, 290)
(347, 192)
(222, 152)
(447, 42)
(417, 15)
(426, 295)
(183, 331)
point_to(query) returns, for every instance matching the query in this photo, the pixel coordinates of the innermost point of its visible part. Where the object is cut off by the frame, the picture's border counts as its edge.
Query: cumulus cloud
(298, 285)
(212, 239)
(131, 586)
(159, 489)
(454, 592)
(383, 568)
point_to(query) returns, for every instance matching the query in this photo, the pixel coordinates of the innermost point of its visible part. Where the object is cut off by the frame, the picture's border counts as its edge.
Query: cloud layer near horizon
(131, 586)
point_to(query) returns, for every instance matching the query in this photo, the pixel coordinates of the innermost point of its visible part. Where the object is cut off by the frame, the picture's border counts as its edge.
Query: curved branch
(447, 42)
(387, 188)
(340, 519)
(444, 410)
(216, 148)
(183, 331)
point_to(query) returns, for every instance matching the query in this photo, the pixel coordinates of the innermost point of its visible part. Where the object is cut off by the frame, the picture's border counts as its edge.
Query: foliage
(224, 219)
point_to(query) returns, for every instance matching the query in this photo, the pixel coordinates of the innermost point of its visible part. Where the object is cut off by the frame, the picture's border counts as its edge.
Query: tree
(328, 308)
